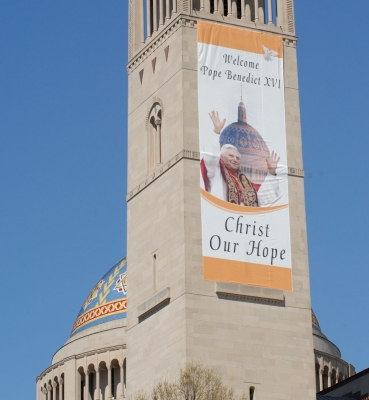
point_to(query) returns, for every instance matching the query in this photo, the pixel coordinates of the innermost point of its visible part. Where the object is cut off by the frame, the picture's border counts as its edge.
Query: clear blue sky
(63, 123)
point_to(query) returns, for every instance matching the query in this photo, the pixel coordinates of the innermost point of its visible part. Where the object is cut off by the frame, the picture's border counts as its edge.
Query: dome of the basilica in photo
(321, 342)
(96, 347)
(330, 368)
(243, 136)
(107, 301)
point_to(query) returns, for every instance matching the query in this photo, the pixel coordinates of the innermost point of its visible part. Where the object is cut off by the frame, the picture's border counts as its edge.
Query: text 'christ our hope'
(258, 247)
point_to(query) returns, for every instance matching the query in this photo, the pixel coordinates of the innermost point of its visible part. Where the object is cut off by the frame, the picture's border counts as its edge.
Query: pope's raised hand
(272, 162)
(218, 124)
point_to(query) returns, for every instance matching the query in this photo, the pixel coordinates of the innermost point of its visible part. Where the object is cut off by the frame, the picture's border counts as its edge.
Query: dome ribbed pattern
(107, 300)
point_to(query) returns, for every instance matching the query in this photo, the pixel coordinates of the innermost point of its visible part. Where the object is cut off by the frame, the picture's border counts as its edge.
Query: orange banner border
(238, 38)
(235, 208)
(244, 273)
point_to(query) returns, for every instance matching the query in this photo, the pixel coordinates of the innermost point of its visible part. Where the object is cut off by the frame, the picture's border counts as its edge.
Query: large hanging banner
(243, 167)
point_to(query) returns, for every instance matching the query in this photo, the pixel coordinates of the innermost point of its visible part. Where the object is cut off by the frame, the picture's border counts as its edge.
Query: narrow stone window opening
(63, 388)
(325, 378)
(112, 381)
(239, 12)
(52, 397)
(145, 18)
(154, 272)
(125, 373)
(252, 393)
(224, 3)
(91, 386)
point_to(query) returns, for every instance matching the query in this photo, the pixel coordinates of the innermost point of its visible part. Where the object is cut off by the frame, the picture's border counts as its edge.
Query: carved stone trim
(77, 357)
(254, 294)
(182, 20)
(290, 42)
(290, 12)
(154, 100)
(153, 310)
(130, 29)
(253, 299)
(154, 304)
(156, 41)
(187, 154)
(296, 172)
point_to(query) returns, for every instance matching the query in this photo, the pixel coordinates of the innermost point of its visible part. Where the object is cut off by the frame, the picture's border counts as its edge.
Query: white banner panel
(243, 167)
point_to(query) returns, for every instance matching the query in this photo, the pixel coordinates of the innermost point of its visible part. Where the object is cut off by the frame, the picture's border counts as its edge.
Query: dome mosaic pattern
(107, 300)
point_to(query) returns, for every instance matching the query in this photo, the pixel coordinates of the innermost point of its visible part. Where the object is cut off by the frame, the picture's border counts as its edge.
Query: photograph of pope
(223, 178)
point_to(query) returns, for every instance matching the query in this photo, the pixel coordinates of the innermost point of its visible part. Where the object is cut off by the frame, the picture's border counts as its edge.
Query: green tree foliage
(195, 382)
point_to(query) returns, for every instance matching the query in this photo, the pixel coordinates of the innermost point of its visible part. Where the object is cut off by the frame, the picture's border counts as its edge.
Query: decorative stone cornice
(183, 20)
(296, 172)
(254, 294)
(155, 42)
(290, 42)
(252, 299)
(77, 357)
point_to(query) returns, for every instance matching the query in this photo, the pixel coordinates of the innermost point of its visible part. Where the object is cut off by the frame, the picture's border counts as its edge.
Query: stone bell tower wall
(156, 210)
(254, 337)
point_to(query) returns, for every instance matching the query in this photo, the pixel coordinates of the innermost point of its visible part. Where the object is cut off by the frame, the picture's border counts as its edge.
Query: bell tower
(249, 320)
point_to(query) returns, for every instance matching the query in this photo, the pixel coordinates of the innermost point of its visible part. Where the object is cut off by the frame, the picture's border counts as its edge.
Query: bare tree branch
(195, 382)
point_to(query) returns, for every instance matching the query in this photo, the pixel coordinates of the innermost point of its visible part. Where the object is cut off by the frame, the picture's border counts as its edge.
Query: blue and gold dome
(107, 300)
(243, 136)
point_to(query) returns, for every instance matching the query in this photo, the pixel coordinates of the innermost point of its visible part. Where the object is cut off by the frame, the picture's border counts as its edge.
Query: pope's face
(231, 159)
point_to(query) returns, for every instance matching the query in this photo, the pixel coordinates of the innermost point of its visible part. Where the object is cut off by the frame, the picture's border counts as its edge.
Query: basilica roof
(321, 343)
(107, 300)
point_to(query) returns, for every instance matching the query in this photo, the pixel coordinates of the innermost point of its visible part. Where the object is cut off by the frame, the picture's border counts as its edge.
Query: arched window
(116, 383)
(155, 136)
(325, 378)
(82, 383)
(91, 380)
(317, 380)
(50, 389)
(56, 386)
(334, 376)
(62, 387)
